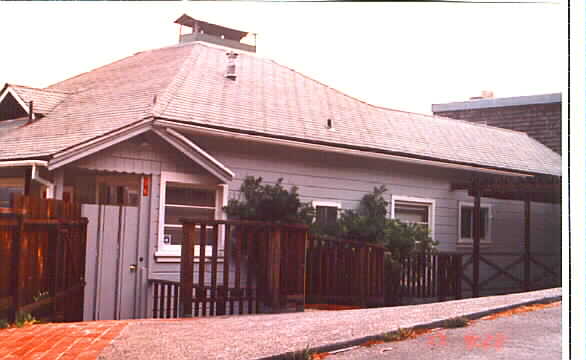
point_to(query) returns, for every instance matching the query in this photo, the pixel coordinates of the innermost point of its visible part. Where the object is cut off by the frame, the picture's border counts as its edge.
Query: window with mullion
(186, 202)
(467, 223)
(326, 215)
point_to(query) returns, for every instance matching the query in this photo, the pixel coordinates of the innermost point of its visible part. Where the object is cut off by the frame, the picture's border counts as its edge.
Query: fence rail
(344, 272)
(42, 259)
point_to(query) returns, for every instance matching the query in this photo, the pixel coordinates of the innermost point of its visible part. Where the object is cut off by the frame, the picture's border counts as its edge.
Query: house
(539, 116)
(172, 132)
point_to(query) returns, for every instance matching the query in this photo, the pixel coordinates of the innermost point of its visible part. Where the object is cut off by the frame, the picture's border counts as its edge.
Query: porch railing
(42, 259)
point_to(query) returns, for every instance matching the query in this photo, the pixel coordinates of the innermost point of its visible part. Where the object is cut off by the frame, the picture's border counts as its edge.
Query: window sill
(175, 257)
(469, 244)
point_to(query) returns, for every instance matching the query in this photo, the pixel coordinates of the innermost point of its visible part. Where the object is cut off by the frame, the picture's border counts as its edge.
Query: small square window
(326, 215)
(466, 224)
(326, 212)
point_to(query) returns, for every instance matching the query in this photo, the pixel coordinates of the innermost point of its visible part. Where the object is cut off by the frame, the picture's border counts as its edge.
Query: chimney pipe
(231, 67)
(31, 114)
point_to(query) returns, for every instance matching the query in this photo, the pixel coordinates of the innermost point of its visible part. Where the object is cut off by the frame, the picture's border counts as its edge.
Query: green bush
(272, 203)
(369, 223)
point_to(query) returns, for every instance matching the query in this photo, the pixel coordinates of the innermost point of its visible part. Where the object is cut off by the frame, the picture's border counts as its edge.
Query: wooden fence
(433, 275)
(507, 272)
(42, 259)
(344, 272)
(247, 267)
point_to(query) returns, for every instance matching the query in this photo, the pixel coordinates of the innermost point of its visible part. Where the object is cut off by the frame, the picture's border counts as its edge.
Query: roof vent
(330, 124)
(231, 67)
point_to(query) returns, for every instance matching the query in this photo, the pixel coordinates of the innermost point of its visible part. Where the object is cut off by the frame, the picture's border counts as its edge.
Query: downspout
(50, 186)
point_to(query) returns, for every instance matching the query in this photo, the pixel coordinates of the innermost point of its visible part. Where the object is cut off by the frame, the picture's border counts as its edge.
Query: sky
(404, 56)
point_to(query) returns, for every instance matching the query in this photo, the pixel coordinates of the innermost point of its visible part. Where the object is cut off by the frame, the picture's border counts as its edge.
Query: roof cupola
(214, 34)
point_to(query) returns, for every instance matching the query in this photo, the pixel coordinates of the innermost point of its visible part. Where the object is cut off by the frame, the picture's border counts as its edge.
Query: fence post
(476, 245)
(458, 277)
(527, 254)
(52, 266)
(274, 268)
(15, 282)
(186, 276)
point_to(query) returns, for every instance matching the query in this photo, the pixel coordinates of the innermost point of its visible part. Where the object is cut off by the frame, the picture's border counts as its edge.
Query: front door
(113, 267)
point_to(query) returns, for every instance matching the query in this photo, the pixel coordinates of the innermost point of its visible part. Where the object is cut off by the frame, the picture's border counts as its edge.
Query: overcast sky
(405, 56)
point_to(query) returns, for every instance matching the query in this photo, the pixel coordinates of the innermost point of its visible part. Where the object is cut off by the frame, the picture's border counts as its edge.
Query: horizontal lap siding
(329, 177)
(344, 178)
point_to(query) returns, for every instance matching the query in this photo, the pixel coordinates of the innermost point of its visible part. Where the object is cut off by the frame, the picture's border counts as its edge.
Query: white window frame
(172, 253)
(488, 234)
(317, 203)
(430, 203)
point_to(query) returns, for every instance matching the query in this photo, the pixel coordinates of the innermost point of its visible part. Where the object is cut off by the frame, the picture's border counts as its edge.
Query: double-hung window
(184, 201)
(466, 223)
(326, 212)
(414, 211)
(185, 198)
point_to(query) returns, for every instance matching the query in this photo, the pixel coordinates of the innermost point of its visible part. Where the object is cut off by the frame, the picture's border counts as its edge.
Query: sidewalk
(266, 336)
(239, 337)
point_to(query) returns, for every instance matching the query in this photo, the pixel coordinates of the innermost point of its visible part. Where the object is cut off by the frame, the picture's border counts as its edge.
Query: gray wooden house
(172, 132)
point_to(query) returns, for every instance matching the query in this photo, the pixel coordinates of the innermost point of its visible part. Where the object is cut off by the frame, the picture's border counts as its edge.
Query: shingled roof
(186, 83)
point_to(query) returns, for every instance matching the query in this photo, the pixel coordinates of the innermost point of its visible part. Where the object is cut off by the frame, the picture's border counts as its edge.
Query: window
(8, 187)
(326, 212)
(183, 201)
(187, 196)
(414, 210)
(466, 224)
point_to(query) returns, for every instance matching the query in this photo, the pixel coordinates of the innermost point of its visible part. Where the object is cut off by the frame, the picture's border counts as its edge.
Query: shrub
(369, 223)
(271, 203)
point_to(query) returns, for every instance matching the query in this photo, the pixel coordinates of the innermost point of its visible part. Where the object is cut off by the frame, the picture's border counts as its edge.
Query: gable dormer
(21, 104)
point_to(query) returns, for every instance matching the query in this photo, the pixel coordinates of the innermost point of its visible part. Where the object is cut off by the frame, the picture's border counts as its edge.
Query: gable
(146, 153)
(11, 107)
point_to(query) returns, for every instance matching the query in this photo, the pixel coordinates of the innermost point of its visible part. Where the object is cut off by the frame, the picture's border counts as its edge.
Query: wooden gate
(42, 259)
(343, 272)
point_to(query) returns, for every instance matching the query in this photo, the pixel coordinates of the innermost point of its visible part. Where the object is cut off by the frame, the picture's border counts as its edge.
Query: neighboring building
(539, 116)
(172, 133)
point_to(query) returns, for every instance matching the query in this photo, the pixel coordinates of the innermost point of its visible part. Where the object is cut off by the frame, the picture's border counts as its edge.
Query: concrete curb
(293, 355)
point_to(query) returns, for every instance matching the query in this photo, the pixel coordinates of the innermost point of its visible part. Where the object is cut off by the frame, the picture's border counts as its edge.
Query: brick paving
(63, 341)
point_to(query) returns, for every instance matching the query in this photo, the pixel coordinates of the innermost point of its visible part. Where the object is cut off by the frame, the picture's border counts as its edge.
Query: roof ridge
(40, 89)
(87, 72)
(166, 95)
